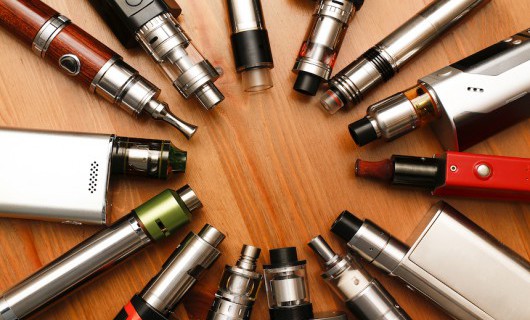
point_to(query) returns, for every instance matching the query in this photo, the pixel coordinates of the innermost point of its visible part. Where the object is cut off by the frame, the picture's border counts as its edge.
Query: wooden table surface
(272, 169)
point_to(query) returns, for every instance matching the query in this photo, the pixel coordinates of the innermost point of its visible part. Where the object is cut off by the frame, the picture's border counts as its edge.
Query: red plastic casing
(508, 180)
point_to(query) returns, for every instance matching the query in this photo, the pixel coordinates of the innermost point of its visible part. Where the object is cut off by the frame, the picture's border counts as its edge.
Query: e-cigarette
(179, 273)
(380, 63)
(287, 287)
(320, 49)
(238, 288)
(466, 102)
(157, 31)
(250, 44)
(81, 56)
(455, 174)
(453, 262)
(364, 296)
(73, 171)
(156, 219)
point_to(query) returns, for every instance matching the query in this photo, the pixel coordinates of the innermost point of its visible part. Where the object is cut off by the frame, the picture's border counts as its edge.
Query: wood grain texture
(24, 18)
(272, 169)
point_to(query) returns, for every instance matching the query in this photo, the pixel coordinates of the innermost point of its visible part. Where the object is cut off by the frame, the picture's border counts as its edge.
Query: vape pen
(453, 262)
(238, 288)
(385, 59)
(321, 47)
(250, 44)
(455, 174)
(466, 102)
(154, 220)
(364, 296)
(287, 287)
(73, 172)
(180, 272)
(79, 55)
(155, 28)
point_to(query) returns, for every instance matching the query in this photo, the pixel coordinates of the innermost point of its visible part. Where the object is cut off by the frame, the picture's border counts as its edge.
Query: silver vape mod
(364, 296)
(320, 49)
(180, 272)
(155, 28)
(466, 102)
(154, 220)
(250, 44)
(386, 58)
(71, 172)
(453, 262)
(238, 288)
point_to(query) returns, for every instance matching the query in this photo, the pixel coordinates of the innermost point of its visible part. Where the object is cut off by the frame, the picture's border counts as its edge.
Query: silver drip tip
(160, 111)
(238, 288)
(190, 198)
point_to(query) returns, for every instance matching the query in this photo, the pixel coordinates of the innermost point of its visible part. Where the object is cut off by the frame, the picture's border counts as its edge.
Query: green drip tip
(166, 212)
(177, 159)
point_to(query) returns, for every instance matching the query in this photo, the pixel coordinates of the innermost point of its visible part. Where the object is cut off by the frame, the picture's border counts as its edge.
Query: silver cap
(190, 198)
(211, 235)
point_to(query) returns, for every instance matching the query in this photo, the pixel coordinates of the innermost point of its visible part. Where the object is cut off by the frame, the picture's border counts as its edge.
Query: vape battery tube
(73, 172)
(156, 219)
(250, 44)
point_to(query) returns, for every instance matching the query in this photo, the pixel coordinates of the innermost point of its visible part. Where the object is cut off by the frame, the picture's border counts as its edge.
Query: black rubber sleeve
(137, 307)
(302, 312)
(251, 49)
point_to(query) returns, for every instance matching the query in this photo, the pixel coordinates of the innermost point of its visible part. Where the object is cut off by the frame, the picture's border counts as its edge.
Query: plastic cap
(331, 101)
(307, 83)
(346, 225)
(362, 131)
(283, 257)
(258, 79)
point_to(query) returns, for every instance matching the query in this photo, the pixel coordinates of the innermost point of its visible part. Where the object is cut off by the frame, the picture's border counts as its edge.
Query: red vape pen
(455, 174)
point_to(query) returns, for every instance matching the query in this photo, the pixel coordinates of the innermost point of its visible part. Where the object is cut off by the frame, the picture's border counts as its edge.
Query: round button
(134, 3)
(483, 171)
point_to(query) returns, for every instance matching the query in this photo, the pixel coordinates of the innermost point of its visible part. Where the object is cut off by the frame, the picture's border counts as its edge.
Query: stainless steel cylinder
(164, 39)
(74, 267)
(180, 272)
(238, 288)
(362, 294)
(453, 262)
(385, 59)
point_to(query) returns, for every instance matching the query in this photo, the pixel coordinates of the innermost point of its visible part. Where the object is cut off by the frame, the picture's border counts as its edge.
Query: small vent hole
(153, 40)
(473, 89)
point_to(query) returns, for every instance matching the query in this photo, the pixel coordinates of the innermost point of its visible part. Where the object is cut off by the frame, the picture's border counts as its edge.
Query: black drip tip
(284, 257)
(362, 131)
(307, 83)
(358, 4)
(346, 225)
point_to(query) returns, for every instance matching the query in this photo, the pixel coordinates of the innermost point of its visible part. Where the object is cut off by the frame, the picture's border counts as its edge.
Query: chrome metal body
(238, 288)
(163, 38)
(57, 176)
(180, 272)
(245, 15)
(49, 30)
(364, 296)
(455, 263)
(386, 58)
(78, 265)
(319, 51)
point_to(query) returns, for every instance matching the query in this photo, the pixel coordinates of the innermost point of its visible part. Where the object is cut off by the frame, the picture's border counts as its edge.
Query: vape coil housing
(382, 61)
(195, 254)
(363, 295)
(238, 288)
(154, 220)
(466, 102)
(453, 262)
(250, 44)
(287, 286)
(320, 49)
(157, 31)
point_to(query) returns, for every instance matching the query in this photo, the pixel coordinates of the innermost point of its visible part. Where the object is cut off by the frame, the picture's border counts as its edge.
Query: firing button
(483, 171)
(71, 64)
(134, 3)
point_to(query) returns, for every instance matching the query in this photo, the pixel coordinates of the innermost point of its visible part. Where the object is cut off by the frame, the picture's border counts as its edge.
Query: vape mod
(73, 170)
(466, 102)
(385, 59)
(78, 54)
(321, 47)
(156, 219)
(287, 287)
(455, 174)
(180, 272)
(238, 288)
(155, 28)
(250, 44)
(453, 262)
(364, 296)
